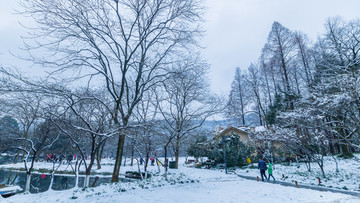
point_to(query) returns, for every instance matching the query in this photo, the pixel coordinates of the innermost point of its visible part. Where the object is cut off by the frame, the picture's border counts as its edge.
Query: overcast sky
(236, 30)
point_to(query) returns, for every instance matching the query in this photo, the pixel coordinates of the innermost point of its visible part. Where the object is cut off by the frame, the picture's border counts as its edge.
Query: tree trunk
(345, 150)
(88, 170)
(87, 181)
(98, 162)
(309, 162)
(301, 46)
(331, 147)
(51, 180)
(132, 153)
(11, 172)
(95, 181)
(297, 82)
(297, 161)
(99, 155)
(287, 83)
(139, 170)
(337, 147)
(118, 159)
(267, 83)
(321, 165)
(28, 180)
(177, 149)
(13, 181)
(165, 155)
(260, 120)
(337, 165)
(273, 79)
(147, 156)
(240, 90)
(77, 179)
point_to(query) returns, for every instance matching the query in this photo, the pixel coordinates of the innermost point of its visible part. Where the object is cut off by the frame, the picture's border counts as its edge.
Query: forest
(305, 92)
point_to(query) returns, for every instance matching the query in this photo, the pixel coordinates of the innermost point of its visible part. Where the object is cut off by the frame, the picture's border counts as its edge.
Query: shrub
(236, 152)
(199, 148)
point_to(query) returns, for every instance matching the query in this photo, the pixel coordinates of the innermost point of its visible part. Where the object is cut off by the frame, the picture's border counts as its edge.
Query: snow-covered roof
(260, 129)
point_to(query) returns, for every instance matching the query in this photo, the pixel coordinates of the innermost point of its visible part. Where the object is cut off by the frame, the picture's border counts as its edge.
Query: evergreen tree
(235, 150)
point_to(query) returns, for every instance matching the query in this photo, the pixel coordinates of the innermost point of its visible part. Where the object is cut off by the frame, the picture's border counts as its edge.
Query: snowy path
(346, 179)
(239, 190)
(289, 184)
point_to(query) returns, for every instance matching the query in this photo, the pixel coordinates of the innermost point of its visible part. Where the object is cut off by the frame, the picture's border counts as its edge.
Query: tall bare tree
(124, 44)
(238, 97)
(304, 56)
(280, 47)
(187, 100)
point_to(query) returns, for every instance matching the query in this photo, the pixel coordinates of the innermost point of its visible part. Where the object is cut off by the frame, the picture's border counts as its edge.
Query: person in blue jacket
(262, 166)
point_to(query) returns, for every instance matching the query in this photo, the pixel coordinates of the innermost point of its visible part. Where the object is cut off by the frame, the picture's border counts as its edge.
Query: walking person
(262, 167)
(69, 158)
(48, 158)
(152, 161)
(270, 172)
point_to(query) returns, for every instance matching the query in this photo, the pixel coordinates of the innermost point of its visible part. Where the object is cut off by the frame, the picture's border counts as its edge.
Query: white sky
(236, 30)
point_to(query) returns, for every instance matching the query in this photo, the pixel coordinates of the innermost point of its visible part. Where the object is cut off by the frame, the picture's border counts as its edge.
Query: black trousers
(262, 172)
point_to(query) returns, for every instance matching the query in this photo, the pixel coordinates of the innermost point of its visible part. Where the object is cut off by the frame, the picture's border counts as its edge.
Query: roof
(260, 129)
(231, 128)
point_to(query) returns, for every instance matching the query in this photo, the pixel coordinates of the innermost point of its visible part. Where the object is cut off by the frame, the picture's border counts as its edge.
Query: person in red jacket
(152, 161)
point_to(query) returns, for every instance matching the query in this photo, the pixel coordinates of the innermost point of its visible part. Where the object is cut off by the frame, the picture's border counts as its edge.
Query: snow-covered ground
(235, 190)
(185, 185)
(348, 177)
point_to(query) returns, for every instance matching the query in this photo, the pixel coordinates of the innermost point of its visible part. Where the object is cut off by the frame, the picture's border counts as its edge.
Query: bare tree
(27, 110)
(281, 48)
(254, 80)
(304, 56)
(147, 115)
(85, 121)
(124, 44)
(186, 101)
(54, 152)
(34, 142)
(238, 97)
(337, 78)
